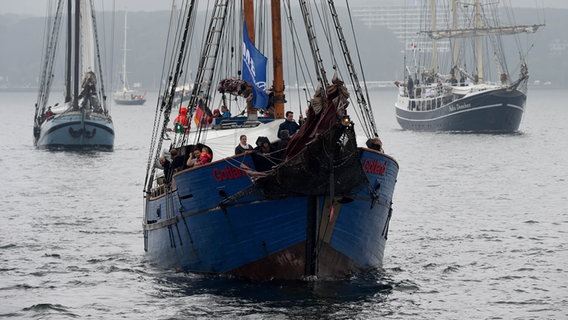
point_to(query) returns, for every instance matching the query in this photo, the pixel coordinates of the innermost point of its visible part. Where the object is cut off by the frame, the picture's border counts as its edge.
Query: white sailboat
(82, 120)
(126, 95)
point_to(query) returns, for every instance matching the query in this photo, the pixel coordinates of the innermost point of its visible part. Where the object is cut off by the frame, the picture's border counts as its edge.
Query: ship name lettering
(375, 167)
(458, 107)
(227, 173)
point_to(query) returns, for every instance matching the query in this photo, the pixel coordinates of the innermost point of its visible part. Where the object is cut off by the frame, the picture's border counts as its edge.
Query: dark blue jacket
(291, 126)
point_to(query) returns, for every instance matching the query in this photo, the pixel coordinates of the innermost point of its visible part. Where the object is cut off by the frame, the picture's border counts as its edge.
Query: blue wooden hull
(194, 228)
(493, 111)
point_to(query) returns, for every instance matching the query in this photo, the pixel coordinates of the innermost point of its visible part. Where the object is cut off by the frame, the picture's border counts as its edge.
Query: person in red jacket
(181, 121)
(205, 156)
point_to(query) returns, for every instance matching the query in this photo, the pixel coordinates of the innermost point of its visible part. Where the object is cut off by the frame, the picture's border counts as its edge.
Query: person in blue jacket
(290, 124)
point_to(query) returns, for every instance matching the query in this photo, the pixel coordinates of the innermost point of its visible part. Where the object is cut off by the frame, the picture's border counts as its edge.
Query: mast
(478, 32)
(248, 7)
(434, 42)
(68, 52)
(278, 84)
(76, 53)
(455, 42)
(124, 80)
(277, 60)
(479, 43)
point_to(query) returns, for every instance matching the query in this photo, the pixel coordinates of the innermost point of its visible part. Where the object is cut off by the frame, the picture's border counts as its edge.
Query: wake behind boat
(82, 121)
(471, 96)
(315, 205)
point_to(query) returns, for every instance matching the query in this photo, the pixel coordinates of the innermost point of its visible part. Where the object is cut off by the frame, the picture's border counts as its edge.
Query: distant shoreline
(531, 87)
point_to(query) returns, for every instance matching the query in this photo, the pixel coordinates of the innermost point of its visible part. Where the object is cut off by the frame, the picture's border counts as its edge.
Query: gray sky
(38, 7)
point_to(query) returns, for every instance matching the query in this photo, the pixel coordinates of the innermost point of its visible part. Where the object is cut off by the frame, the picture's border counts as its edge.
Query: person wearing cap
(375, 144)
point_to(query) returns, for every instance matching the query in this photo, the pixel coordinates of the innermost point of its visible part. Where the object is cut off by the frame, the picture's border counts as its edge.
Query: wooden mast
(278, 85)
(248, 7)
(277, 61)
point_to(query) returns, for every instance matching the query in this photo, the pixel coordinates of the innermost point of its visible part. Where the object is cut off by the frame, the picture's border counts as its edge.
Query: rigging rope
(170, 92)
(370, 123)
(98, 53)
(318, 61)
(46, 78)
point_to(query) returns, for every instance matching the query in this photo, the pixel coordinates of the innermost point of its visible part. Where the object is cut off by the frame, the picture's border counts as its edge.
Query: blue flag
(254, 71)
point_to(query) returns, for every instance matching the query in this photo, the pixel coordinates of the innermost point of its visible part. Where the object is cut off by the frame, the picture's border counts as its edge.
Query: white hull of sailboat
(72, 131)
(129, 98)
(83, 122)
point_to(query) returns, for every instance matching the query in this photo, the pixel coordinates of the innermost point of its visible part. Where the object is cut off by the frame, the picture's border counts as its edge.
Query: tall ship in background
(82, 120)
(126, 95)
(468, 87)
(313, 202)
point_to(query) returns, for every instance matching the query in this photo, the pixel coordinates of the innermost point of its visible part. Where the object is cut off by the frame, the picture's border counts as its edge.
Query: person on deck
(205, 156)
(243, 146)
(166, 165)
(417, 89)
(290, 124)
(181, 121)
(282, 144)
(49, 113)
(193, 158)
(177, 161)
(410, 88)
(263, 157)
(225, 112)
(375, 144)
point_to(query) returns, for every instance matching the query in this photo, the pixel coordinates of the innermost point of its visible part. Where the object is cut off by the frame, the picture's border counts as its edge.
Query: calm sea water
(479, 231)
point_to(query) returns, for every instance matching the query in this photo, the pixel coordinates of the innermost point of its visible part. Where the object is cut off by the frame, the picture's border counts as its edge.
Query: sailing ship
(126, 95)
(449, 84)
(318, 207)
(82, 121)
